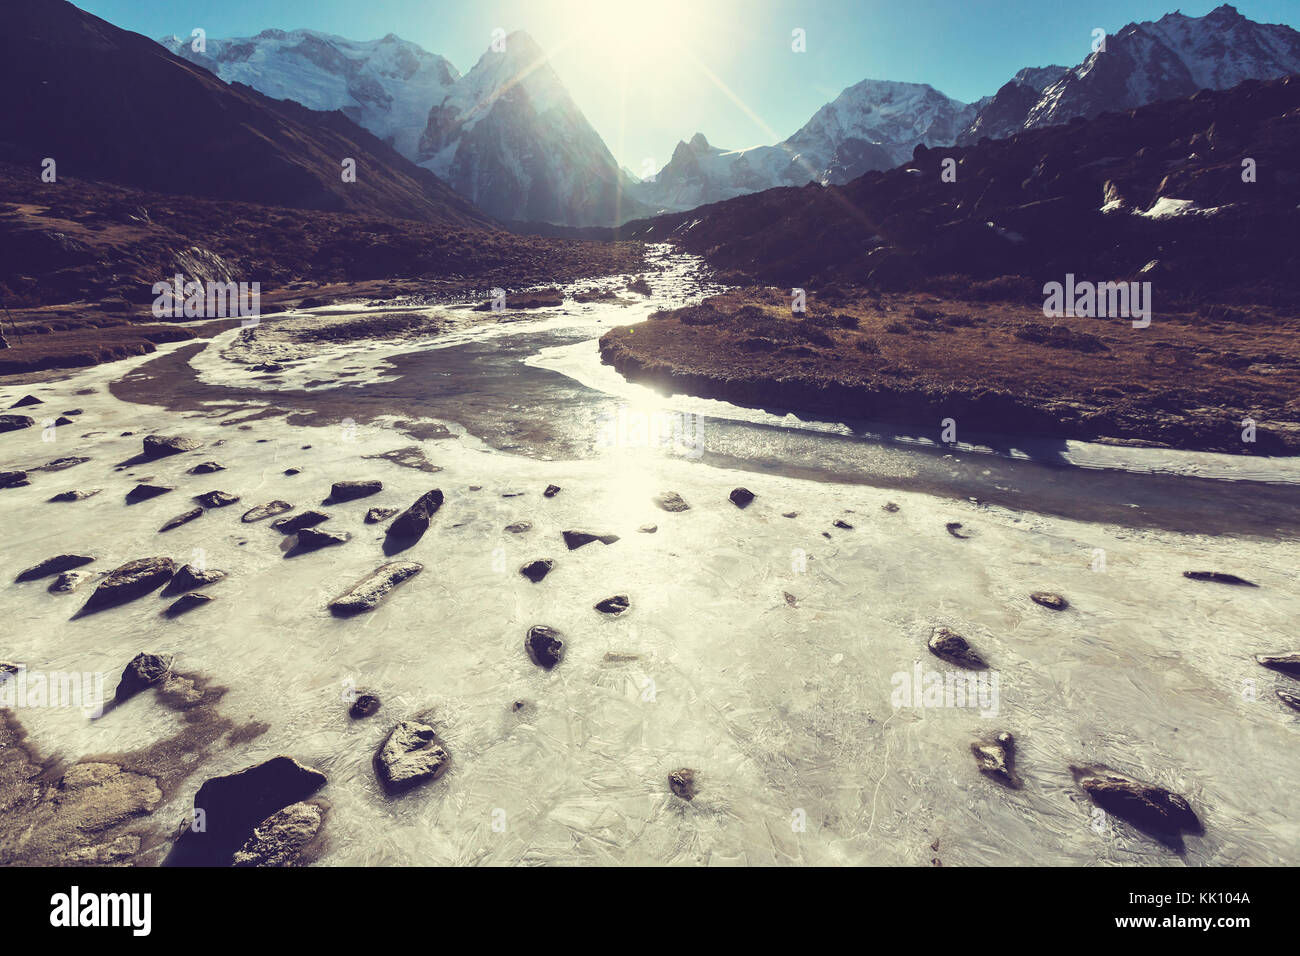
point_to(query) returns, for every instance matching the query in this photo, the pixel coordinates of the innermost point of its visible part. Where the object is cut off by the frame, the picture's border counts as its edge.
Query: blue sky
(648, 73)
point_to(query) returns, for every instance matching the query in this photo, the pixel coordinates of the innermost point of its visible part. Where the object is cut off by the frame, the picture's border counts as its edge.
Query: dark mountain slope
(112, 105)
(1032, 205)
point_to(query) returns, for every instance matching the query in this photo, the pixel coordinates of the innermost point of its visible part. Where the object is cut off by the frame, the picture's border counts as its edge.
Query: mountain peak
(699, 143)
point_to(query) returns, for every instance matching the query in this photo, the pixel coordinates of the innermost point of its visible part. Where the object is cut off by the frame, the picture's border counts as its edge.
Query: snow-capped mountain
(386, 86)
(1143, 63)
(506, 135)
(509, 137)
(874, 124)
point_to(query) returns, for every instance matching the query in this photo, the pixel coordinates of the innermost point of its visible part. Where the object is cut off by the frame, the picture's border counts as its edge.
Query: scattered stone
(536, 570)
(682, 783)
(1152, 809)
(544, 646)
(207, 468)
(63, 420)
(181, 519)
(60, 562)
(648, 528)
(790, 599)
(671, 501)
(143, 492)
(954, 529)
(410, 526)
(145, 670)
(76, 495)
(840, 523)
(13, 479)
(233, 806)
(351, 490)
(11, 423)
(295, 523)
(376, 515)
(1286, 663)
(365, 705)
(789, 514)
(613, 605)
(997, 758)
(189, 577)
(284, 838)
(1049, 600)
(1291, 700)
(411, 755)
(130, 581)
(27, 400)
(160, 446)
(216, 499)
(1219, 577)
(890, 507)
(313, 539)
(576, 539)
(955, 649)
(70, 580)
(519, 527)
(187, 602)
(293, 471)
(741, 497)
(551, 491)
(366, 594)
(512, 494)
(268, 510)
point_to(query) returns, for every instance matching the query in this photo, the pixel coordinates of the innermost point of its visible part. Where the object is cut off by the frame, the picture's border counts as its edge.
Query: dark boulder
(1286, 663)
(367, 593)
(160, 446)
(741, 497)
(76, 495)
(130, 581)
(544, 646)
(13, 479)
(182, 518)
(216, 499)
(295, 523)
(143, 492)
(613, 605)
(144, 671)
(1219, 577)
(576, 539)
(408, 527)
(351, 490)
(187, 602)
(54, 565)
(313, 539)
(1049, 600)
(188, 577)
(268, 510)
(376, 515)
(411, 755)
(11, 423)
(365, 705)
(955, 649)
(996, 757)
(206, 468)
(231, 807)
(536, 570)
(1152, 809)
(551, 491)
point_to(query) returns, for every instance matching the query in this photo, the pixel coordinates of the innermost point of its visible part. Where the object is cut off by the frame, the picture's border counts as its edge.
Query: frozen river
(763, 647)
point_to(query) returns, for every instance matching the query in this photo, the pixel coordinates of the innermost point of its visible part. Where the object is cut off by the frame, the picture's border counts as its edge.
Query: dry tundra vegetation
(1188, 380)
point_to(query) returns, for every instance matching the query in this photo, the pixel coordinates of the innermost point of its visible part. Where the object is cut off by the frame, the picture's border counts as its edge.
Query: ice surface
(783, 710)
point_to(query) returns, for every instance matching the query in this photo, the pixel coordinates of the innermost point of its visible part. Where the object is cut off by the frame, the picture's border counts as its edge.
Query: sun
(627, 36)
